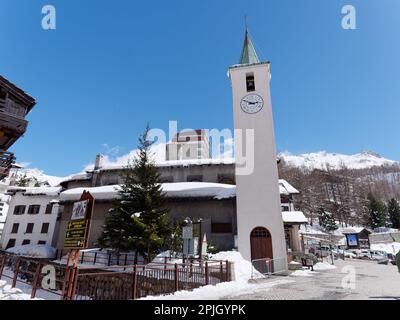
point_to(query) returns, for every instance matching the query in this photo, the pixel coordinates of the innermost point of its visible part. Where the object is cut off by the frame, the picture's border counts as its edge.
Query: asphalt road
(351, 280)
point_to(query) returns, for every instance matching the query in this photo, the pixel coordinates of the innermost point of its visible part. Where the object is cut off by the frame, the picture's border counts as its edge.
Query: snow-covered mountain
(316, 160)
(323, 160)
(34, 173)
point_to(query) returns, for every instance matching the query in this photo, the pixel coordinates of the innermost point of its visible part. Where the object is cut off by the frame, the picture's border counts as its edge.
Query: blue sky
(111, 66)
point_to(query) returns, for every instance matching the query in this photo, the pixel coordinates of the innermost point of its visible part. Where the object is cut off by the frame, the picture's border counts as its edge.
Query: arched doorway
(261, 244)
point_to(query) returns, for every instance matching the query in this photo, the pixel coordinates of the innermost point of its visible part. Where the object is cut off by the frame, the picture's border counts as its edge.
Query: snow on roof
(172, 190)
(294, 217)
(286, 188)
(176, 163)
(199, 189)
(34, 251)
(100, 193)
(352, 230)
(217, 191)
(4, 197)
(36, 191)
(77, 177)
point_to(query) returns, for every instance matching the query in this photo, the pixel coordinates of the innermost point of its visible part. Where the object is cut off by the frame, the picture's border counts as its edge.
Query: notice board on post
(77, 234)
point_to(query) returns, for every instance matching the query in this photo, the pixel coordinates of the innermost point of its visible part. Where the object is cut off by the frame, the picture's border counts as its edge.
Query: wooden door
(261, 244)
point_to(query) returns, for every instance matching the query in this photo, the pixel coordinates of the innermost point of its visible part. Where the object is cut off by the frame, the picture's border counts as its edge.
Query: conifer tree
(326, 220)
(23, 181)
(377, 212)
(138, 220)
(394, 213)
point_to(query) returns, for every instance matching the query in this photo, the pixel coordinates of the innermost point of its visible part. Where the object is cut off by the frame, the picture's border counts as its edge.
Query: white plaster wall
(258, 199)
(23, 220)
(3, 211)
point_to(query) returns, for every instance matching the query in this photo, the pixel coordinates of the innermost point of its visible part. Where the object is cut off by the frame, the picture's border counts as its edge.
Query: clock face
(252, 103)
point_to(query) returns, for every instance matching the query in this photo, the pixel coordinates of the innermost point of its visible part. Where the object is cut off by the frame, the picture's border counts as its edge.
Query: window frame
(34, 206)
(16, 224)
(30, 231)
(19, 207)
(47, 229)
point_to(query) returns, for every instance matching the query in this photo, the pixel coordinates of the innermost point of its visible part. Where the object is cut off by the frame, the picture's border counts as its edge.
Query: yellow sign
(76, 234)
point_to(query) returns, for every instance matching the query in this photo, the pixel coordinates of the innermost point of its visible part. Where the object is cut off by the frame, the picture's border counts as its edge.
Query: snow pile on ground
(160, 258)
(34, 251)
(240, 284)
(303, 273)
(242, 267)
(8, 293)
(393, 247)
(321, 266)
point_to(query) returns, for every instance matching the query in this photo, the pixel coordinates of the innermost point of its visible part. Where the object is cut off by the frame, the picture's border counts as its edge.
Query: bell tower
(259, 218)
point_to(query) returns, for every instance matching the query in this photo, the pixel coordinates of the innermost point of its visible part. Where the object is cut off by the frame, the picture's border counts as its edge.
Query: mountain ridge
(313, 160)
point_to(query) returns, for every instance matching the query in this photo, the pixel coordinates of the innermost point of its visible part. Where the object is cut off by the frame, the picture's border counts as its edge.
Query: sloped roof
(249, 55)
(30, 101)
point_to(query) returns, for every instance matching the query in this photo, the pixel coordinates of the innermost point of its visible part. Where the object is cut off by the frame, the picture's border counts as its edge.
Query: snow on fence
(28, 271)
(118, 282)
(139, 281)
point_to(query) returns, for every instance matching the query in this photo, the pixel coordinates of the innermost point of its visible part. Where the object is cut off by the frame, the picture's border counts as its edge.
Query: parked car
(375, 255)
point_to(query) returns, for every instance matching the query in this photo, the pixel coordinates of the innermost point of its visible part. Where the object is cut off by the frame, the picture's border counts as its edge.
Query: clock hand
(249, 102)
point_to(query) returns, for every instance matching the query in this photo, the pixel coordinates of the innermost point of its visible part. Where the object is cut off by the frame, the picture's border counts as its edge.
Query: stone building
(199, 189)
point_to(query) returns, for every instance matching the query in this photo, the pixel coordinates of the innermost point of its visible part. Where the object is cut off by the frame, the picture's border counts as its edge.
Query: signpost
(76, 238)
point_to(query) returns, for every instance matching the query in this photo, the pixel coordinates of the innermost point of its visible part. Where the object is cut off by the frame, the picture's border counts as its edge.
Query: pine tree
(326, 220)
(394, 213)
(138, 220)
(377, 212)
(23, 181)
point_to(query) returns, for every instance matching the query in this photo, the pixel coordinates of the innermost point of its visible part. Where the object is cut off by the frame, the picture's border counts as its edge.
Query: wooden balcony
(11, 128)
(15, 104)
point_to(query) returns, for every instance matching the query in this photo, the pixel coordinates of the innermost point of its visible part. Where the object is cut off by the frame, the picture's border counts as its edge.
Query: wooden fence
(126, 282)
(139, 281)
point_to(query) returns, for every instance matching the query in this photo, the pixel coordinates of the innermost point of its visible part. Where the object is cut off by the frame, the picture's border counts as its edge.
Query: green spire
(249, 54)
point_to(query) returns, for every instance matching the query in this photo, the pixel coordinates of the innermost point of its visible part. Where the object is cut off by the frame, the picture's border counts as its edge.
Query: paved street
(372, 281)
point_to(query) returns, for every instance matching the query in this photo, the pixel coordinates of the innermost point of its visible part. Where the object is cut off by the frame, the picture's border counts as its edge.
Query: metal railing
(118, 282)
(134, 282)
(29, 271)
(267, 267)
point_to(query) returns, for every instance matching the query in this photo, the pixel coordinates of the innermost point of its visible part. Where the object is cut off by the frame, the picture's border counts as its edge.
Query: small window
(29, 228)
(11, 243)
(221, 228)
(41, 242)
(250, 82)
(15, 228)
(19, 210)
(49, 208)
(45, 227)
(33, 209)
(25, 242)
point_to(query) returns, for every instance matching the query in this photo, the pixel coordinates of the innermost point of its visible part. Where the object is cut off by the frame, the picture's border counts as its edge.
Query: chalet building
(15, 104)
(32, 217)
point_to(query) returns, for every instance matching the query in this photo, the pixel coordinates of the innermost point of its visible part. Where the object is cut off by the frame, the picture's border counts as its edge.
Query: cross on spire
(249, 54)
